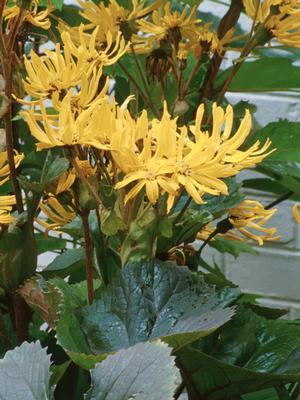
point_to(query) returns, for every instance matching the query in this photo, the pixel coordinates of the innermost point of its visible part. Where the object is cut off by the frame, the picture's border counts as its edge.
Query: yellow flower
(58, 214)
(174, 26)
(161, 156)
(114, 18)
(6, 203)
(4, 167)
(249, 218)
(68, 127)
(286, 29)
(92, 126)
(206, 41)
(92, 51)
(280, 17)
(32, 16)
(262, 10)
(52, 73)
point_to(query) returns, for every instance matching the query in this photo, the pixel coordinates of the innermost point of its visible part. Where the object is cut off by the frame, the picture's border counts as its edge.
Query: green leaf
(144, 371)
(49, 243)
(18, 256)
(248, 354)
(58, 4)
(267, 74)
(111, 221)
(140, 242)
(265, 185)
(24, 373)
(65, 263)
(68, 332)
(267, 394)
(147, 301)
(218, 205)
(234, 247)
(58, 371)
(57, 167)
(286, 173)
(285, 137)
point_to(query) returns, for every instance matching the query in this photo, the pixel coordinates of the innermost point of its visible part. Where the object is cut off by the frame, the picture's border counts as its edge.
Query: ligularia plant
(120, 166)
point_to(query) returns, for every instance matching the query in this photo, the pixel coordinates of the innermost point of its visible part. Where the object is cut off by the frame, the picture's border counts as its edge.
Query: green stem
(141, 92)
(153, 107)
(183, 210)
(279, 200)
(81, 175)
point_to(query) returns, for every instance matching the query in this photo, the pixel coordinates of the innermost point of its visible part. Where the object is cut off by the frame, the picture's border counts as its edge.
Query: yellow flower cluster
(155, 157)
(169, 158)
(280, 17)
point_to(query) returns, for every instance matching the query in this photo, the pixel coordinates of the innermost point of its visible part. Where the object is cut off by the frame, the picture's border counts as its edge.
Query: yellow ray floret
(6, 203)
(4, 167)
(295, 211)
(65, 181)
(57, 214)
(92, 52)
(70, 127)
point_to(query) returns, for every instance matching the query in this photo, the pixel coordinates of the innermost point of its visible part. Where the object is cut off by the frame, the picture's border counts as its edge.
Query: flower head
(280, 17)
(93, 52)
(92, 126)
(114, 18)
(32, 16)
(52, 73)
(249, 218)
(172, 26)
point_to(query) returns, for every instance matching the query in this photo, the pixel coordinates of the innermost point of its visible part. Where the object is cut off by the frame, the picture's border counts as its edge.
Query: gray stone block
(272, 273)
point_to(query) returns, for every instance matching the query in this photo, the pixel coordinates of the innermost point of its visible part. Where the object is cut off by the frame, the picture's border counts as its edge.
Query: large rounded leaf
(144, 371)
(24, 373)
(152, 300)
(250, 353)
